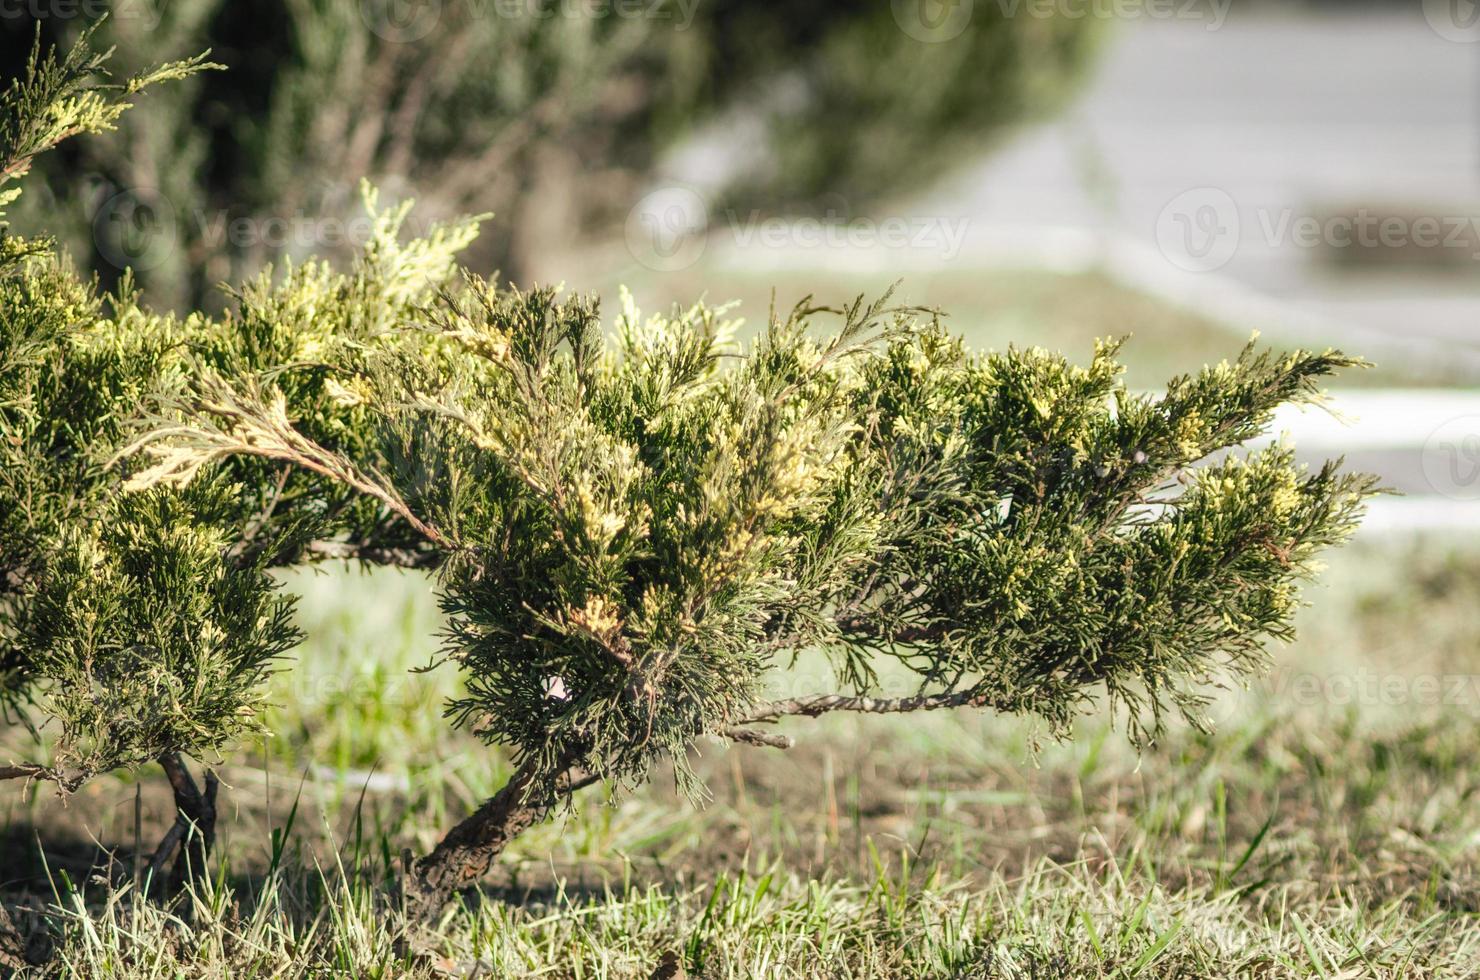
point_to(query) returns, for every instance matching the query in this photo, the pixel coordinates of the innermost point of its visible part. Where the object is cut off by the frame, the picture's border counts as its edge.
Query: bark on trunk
(470, 848)
(194, 830)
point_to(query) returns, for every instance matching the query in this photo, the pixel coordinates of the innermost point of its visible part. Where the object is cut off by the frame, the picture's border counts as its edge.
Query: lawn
(1327, 829)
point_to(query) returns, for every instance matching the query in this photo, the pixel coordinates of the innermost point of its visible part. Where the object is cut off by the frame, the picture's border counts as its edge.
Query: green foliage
(633, 531)
(636, 533)
(68, 372)
(57, 98)
(69, 376)
(149, 635)
(1046, 531)
(554, 115)
(142, 624)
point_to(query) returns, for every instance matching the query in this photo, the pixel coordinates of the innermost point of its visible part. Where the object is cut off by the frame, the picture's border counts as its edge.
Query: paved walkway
(1209, 164)
(1425, 445)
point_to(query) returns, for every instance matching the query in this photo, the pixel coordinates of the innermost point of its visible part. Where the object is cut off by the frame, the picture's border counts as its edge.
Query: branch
(469, 849)
(66, 783)
(816, 704)
(165, 850)
(180, 780)
(375, 555)
(764, 739)
(574, 783)
(908, 635)
(251, 423)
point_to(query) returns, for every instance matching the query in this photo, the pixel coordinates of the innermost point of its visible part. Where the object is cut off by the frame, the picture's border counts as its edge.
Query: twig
(764, 739)
(376, 555)
(248, 425)
(66, 782)
(905, 635)
(574, 783)
(817, 704)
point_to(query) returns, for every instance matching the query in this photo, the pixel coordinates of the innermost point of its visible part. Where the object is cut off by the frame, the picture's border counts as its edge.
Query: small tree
(630, 534)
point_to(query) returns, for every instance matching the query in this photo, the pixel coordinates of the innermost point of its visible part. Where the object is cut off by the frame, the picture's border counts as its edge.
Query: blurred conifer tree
(551, 114)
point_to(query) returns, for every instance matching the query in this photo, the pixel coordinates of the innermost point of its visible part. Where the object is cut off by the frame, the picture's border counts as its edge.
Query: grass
(1327, 830)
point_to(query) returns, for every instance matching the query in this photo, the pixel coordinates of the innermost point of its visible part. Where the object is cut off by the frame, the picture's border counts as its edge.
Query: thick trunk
(194, 831)
(470, 848)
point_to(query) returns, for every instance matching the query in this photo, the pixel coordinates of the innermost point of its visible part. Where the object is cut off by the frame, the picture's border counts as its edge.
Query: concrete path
(1224, 152)
(1425, 445)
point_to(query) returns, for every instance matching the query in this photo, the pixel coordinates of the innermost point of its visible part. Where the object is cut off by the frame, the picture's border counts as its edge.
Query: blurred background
(1046, 172)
